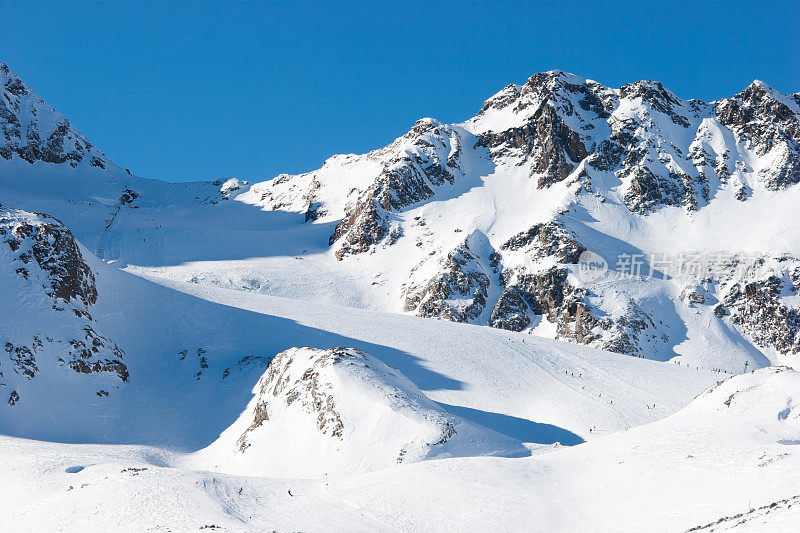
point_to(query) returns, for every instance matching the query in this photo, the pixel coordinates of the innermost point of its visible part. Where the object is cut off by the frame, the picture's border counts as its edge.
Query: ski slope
(731, 450)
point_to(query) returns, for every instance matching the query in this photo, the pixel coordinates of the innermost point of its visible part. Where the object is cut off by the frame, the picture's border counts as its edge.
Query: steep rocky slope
(48, 294)
(34, 131)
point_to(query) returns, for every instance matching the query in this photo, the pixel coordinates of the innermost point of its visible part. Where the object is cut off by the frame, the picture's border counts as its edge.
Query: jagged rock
(511, 311)
(770, 122)
(22, 359)
(553, 147)
(54, 274)
(546, 240)
(426, 158)
(44, 239)
(755, 304)
(658, 98)
(34, 131)
(456, 292)
(548, 294)
(95, 353)
(364, 227)
(128, 196)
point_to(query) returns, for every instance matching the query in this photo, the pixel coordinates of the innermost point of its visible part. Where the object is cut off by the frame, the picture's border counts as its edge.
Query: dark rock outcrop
(47, 268)
(759, 115)
(755, 305)
(43, 239)
(456, 292)
(552, 146)
(426, 158)
(548, 239)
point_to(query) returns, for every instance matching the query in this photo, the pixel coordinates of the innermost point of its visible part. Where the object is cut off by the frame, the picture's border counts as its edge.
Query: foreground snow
(733, 449)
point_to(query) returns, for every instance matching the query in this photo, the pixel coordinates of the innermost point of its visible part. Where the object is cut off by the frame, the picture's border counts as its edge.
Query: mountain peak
(35, 132)
(760, 84)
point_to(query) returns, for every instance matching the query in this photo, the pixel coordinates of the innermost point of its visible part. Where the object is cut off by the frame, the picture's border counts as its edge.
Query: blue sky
(198, 90)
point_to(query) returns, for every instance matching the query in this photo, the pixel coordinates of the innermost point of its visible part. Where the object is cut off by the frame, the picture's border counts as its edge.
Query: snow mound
(767, 399)
(341, 411)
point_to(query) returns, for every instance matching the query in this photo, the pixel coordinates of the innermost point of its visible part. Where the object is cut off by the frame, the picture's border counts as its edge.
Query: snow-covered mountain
(49, 290)
(690, 204)
(598, 257)
(485, 221)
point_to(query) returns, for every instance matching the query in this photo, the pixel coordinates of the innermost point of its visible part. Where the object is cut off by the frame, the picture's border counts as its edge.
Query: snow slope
(731, 450)
(208, 347)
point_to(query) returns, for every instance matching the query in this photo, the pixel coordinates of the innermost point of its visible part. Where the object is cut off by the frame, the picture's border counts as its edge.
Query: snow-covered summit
(565, 163)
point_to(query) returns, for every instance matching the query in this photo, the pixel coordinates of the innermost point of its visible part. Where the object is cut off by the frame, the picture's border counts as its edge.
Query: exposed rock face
(769, 120)
(553, 147)
(540, 292)
(311, 393)
(658, 98)
(34, 131)
(458, 289)
(44, 240)
(540, 286)
(757, 303)
(545, 138)
(426, 158)
(551, 296)
(42, 265)
(512, 311)
(546, 240)
(364, 226)
(95, 353)
(547, 294)
(655, 173)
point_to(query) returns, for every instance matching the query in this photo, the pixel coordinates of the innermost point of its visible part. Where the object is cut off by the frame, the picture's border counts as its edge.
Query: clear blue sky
(200, 90)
